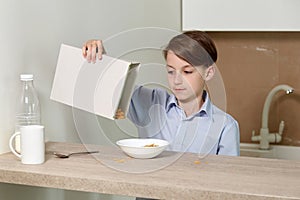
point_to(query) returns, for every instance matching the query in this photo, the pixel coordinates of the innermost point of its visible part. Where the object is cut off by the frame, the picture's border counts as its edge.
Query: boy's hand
(93, 49)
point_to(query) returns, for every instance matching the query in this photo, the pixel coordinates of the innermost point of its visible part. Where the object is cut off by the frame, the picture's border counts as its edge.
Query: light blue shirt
(156, 114)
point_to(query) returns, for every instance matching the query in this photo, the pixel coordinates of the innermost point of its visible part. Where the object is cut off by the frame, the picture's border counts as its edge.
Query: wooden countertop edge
(88, 185)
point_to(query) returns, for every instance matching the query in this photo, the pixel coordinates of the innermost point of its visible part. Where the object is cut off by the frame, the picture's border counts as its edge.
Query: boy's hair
(195, 47)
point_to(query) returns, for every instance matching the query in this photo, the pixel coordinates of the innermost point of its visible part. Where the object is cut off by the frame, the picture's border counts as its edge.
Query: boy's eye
(188, 72)
(170, 71)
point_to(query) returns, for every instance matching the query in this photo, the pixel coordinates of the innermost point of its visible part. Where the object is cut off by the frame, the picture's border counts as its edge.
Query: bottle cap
(26, 77)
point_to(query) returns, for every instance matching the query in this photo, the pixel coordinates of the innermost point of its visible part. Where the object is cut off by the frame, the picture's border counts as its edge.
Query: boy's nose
(178, 78)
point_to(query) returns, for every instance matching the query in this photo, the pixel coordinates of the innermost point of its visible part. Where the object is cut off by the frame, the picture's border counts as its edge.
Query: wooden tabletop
(169, 176)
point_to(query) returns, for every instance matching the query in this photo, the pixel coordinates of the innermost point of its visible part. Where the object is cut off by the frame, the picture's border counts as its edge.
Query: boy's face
(185, 81)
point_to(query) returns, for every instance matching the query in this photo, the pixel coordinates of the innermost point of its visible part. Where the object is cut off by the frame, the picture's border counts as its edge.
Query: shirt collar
(171, 102)
(205, 110)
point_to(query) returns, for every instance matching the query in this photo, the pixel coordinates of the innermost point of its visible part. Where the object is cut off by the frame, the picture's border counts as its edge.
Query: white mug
(32, 144)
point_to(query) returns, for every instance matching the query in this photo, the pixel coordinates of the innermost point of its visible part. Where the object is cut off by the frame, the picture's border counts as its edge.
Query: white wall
(30, 37)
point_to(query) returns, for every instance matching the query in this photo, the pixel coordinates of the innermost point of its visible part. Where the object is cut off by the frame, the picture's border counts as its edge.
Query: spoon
(59, 155)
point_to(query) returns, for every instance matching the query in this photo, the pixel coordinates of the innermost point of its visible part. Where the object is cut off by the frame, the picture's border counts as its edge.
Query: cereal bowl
(142, 148)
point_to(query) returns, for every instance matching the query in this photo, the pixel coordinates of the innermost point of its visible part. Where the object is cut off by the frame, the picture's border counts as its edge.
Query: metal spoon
(59, 155)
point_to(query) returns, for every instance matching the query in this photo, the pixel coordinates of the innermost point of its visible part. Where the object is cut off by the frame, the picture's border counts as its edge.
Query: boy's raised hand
(93, 49)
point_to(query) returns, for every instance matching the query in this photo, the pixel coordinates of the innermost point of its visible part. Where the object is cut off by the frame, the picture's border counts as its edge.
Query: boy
(187, 119)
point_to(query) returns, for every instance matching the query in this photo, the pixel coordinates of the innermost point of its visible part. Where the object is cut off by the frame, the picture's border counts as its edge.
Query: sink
(275, 151)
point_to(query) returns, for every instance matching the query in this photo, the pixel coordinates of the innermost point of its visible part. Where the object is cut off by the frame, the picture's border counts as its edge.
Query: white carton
(100, 88)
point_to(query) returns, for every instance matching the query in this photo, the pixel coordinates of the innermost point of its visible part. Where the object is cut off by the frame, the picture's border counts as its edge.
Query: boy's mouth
(179, 89)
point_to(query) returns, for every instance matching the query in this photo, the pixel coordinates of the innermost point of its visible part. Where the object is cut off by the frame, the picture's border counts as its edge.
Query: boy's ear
(210, 72)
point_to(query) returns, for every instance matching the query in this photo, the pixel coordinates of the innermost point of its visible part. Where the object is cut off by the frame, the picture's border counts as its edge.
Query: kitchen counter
(169, 176)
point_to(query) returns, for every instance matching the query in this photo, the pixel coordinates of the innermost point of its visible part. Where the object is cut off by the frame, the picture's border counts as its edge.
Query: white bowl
(137, 148)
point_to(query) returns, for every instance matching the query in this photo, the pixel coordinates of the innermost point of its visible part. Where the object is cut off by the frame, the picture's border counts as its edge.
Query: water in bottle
(28, 107)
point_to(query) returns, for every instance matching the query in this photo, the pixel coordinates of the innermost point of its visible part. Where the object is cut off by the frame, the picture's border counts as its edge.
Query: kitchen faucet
(265, 137)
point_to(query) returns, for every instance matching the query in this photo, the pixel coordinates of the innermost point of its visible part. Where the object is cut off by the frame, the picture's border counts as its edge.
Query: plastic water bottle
(27, 106)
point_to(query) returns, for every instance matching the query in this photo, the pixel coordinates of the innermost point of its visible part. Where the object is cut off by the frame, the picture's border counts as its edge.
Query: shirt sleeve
(141, 102)
(230, 140)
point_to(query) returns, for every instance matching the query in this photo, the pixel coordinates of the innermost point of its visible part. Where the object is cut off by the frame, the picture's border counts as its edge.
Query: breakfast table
(170, 175)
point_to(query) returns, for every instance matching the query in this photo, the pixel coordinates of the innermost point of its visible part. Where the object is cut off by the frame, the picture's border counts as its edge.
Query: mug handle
(11, 144)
